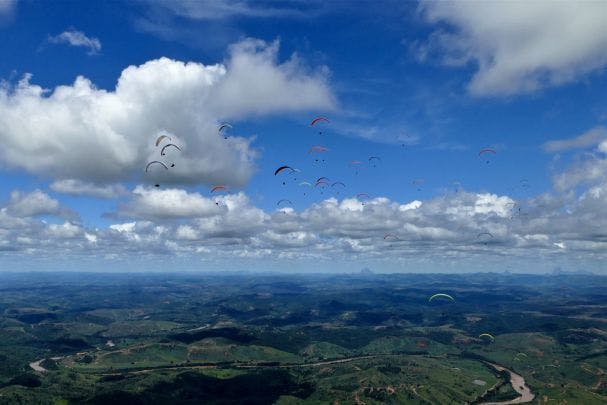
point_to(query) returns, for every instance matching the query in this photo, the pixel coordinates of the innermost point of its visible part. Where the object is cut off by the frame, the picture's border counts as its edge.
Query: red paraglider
(318, 148)
(218, 188)
(315, 120)
(485, 151)
(318, 119)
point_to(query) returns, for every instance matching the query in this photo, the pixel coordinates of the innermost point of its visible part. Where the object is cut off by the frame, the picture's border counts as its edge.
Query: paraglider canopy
(486, 151)
(318, 148)
(486, 336)
(317, 120)
(284, 201)
(155, 162)
(161, 138)
(281, 168)
(222, 127)
(218, 188)
(166, 146)
(440, 295)
(484, 237)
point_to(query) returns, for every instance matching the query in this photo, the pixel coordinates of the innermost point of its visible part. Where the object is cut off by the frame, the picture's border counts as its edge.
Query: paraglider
(218, 188)
(484, 237)
(317, 149)
(457, 185)
(518, 356)
(281, 168)
(338, 183)
(166, 146)
(390, 236)
(305, 183)
(156, 162)
(374, 159)
(363, 198)
(440, 295)
(284, 201)
(487, 336)
(322, 179)
(418, 183)
(222, 127)
(355, 164)
(321, 182)
(486, 151)
(318, 119)
(161, 138)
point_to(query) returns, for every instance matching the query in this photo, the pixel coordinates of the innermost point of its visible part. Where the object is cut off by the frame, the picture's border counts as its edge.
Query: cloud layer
(518, 46)
(462, 226)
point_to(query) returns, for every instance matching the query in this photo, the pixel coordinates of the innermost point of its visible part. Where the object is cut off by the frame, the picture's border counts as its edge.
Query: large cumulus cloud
(80, 132)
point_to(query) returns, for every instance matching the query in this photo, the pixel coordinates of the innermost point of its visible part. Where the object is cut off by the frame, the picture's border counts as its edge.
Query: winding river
(518, 384)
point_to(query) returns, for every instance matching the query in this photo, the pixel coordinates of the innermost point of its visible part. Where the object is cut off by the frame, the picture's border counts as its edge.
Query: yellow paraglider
(486, 335)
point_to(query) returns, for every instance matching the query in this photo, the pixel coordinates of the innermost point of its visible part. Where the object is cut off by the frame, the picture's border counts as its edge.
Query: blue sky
(424, 86)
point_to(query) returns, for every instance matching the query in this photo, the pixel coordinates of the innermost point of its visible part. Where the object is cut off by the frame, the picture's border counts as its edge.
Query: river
(518, 384)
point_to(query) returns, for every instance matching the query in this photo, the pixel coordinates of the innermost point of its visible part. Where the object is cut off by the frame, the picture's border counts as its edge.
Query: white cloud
(519, 46)
(78, 39)
(78, 187)
(587, 169)
(589, 138)
(413, 205)
(124, 227)
(33, 204)
(186, 232)
(165, 204)
(65, 230)
(84, 133)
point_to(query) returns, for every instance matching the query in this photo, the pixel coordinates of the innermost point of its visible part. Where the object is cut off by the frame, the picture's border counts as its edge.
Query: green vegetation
(299, 339)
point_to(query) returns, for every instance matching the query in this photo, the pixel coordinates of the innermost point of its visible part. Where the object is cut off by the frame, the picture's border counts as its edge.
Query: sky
(486, 121)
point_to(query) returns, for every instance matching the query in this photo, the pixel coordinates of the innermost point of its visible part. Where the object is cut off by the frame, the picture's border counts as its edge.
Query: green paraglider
(441, 295)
